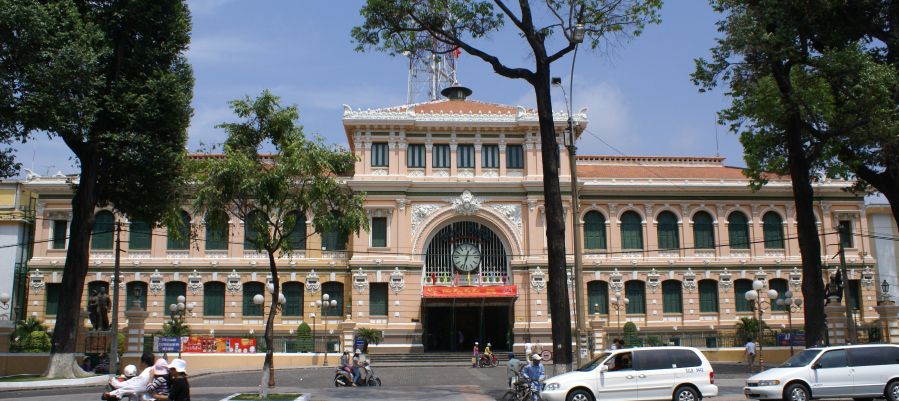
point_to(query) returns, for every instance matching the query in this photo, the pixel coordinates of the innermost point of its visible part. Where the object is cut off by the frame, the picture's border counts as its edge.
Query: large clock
(466, 257)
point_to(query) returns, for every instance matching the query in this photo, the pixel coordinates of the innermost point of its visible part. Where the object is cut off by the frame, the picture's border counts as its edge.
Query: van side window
(833, 359)
(622, 361)
(684, 358)
(653, 359)
(872, 356)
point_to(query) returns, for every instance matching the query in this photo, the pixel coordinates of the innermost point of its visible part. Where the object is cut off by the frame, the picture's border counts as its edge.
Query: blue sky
(638, 93)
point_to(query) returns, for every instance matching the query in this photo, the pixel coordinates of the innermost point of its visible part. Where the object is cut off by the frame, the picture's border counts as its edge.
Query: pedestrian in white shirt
(750, 354)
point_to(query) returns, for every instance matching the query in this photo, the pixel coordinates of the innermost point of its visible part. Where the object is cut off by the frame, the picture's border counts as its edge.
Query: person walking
(750, 353)
(477, 355)
(513, 368)
(536, 374)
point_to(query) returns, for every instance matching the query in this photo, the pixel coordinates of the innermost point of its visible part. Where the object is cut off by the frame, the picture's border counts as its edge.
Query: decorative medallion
(538, 280)
(360, 281)
(467, 203)
(512, 213)
(796, 278)
(760, 275)
(421, 211)
(653, 280)
(194, 282)
(724, 279)
(868, 277)
(397, 280)
(690, 280)
(312, 283)
(156, 285)
(233, 282)
(615, 281)
(37, 280)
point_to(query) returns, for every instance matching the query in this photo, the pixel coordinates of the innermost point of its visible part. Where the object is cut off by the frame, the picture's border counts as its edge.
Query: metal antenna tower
(430, 72)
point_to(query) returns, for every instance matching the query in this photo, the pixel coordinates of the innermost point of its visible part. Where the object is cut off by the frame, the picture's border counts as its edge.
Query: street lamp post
(757, 302)
(792, 306)
(178, 310)
(259, 300)
(619, 303)
(323, 305)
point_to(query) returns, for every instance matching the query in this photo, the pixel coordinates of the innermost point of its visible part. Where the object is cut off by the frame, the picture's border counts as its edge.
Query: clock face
(466, 257)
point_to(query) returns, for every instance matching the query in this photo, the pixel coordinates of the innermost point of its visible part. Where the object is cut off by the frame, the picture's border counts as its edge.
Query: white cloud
(205, 6)
(215, 49)
(202, 131)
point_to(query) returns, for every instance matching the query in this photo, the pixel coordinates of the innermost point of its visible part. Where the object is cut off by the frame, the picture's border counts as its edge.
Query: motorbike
(343, 377)
(523, 389)
(487, 362)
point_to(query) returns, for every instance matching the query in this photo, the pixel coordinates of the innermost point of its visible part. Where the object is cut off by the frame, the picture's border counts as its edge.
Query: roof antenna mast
(431, 71)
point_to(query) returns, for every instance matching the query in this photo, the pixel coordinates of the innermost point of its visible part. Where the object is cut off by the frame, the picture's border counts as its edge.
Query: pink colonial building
(456, 252)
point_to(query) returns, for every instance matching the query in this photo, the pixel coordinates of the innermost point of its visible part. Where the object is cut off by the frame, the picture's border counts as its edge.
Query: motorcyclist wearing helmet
(536, 373)
(488, 353)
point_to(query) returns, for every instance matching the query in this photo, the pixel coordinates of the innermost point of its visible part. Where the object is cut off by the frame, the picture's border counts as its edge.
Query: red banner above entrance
(493, 291)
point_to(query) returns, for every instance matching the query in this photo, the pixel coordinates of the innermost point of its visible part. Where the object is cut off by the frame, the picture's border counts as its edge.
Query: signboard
(197, 344)
(359, 344)
(546, 355)
(166, 344)
(785, 339)
(492, 291)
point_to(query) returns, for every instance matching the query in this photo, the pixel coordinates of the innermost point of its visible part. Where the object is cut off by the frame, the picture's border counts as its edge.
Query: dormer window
(465, 156)
(415, 156)
(490, 156)
(379, 155)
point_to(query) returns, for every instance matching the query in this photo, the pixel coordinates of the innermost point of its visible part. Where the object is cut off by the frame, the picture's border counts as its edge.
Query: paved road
(400, 383)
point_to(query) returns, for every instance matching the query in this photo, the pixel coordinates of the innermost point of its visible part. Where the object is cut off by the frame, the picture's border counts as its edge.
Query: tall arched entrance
(468, 294)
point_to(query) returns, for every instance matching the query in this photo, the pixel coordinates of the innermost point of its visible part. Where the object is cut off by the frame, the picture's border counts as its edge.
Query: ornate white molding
(466, 203)
(616, 282)
(194, 282)
(406, 113)
(538, 280)
(312, 282)
(653, 280)
(796, 278)
(360, 280)
(511, 212)
(421, 211)
(724, 280)
(156, 286)
(37, 280)
(397, 280)
(233, 285)
(690, 280)
(868, 277)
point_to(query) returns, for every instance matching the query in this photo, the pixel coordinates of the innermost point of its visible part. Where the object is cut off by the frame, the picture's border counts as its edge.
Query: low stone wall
(23, 363)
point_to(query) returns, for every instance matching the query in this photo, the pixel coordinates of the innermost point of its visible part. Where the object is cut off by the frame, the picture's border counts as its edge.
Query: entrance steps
(430, 359)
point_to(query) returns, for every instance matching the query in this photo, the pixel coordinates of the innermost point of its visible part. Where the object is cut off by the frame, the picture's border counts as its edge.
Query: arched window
(772, 226)
(136, 291)
(334, 240)
(140, 235)
(102, 233)
(703, 231)
(250, 290)
(293, 292)
(297, 231)
(214, 298)
(173, 289)
(598, 297)
(334, 290)
(738, 230)
(672, 296)
(740, 287)
(179, 237)
(252, 231)
(779, 285)
(594, 230)
(631, 231)
(667, 231)
(217, 231)
(708, 296)
(635, 291)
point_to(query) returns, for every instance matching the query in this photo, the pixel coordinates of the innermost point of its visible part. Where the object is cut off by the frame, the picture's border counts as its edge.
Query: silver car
(861, 372)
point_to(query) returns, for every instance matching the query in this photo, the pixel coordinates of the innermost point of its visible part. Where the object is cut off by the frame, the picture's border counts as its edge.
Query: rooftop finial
(456, 92)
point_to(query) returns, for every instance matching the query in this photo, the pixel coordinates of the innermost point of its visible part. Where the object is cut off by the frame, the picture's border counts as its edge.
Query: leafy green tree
(304, 338)
(110, 80)
(546, 28)
(630, 335)
(174, 328)
(748, 327)
(38, 341)
(272, 193)
(371, 336)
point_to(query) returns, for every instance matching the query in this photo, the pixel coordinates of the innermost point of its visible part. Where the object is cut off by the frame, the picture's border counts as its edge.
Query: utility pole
(580, 334)
(114, 352)
(852, 336)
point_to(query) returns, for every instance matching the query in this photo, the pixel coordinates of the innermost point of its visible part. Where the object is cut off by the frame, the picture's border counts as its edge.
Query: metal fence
(708, 339)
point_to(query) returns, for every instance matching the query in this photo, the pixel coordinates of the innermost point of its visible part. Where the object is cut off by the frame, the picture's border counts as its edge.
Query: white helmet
(488, 344)
(358, 351)
(130, 371)
(536, 357)
(475, 343)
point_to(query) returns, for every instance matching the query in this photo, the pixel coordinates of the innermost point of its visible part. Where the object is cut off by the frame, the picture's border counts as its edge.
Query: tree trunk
(68, 319)
(269, 365)
(555, 225)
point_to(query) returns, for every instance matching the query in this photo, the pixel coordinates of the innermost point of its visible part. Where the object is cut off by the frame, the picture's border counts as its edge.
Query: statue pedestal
(348, 337)
(597, 328)
(134, 331)
(889, 315)
(836, 322)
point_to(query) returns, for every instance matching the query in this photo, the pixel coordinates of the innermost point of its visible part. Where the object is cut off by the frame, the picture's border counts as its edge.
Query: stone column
(889, 315)
(134, 332)
(596, 327)
(836, 322)
(347, 332)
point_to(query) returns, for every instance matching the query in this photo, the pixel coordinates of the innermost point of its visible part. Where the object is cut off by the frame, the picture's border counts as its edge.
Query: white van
(658, 373)
(861, 372)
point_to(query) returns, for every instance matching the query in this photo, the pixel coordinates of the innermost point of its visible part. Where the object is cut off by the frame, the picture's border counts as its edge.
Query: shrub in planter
(304, 338)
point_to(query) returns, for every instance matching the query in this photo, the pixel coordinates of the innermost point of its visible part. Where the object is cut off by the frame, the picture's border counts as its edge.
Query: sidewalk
(56, 383)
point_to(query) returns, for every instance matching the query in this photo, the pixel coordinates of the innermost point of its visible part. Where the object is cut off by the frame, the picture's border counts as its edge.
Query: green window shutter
(60, 231)
(635, 291)
(293, 292)
(772, 226)
(855, 294)
(598, 297)
(377, 299)
(703, 231)
(672, 297)
(250, 290)
(631, 231)
(179, 237)
(102, 233)
(217, 232)
(333, 240)
(846, 233)
(667, 231)
(738, 231)
(779, 285)
(594, 230)
(465, 156)
(51, 306)
(514, 156)
(173, 289)
(490, 156)
(379, 232)
(214, 298)
(335, 292)
(251, 231)
(380, 157)
(415, 156)
(740, 288)
(297, 236)
(708, 296)
(132, 290)
(139, 235)
(440, 156)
